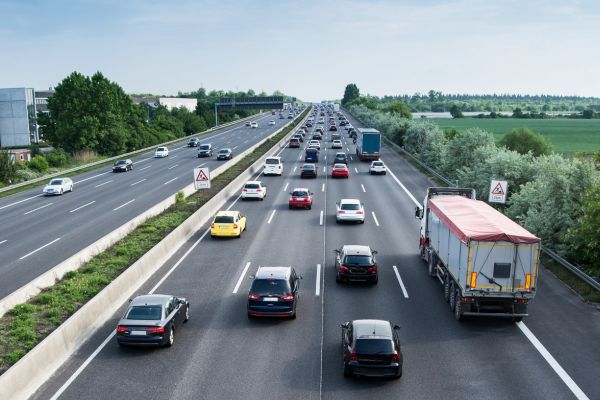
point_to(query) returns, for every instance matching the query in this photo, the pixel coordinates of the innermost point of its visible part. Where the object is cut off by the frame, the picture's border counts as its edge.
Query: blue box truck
(368, 144)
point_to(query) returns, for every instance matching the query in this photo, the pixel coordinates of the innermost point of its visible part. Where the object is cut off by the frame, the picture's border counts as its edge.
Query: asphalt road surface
(220, 354)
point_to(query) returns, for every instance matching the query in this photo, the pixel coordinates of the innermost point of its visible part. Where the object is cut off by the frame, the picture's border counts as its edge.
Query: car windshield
(223, 219)
(56, 182)
(278, 287)
(272, 161)
(224, 151)
(121, 162)
(204, 147)
(358, 260)
(299, 193)
(374, 346)
(350, 206)
(146, 313)
(252, 186)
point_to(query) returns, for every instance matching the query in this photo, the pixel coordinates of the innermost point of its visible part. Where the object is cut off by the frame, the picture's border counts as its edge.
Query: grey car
(225, 154)
(152, 320)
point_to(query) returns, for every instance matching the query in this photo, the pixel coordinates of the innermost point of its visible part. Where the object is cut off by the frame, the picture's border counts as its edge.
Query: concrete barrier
(39, 364)
(72, 263)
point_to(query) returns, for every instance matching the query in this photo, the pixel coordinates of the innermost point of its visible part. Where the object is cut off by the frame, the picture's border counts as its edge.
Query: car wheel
(399, 374)
(171, 338)
(293, 316)
(517, 319)
(309, 207)
(72, 186)
(61, 192)
(362, 222)
(337, 278)
(375, 281)
(187, 313)
(337, 221)
(347, 372)
(290, 206)
(384, 174)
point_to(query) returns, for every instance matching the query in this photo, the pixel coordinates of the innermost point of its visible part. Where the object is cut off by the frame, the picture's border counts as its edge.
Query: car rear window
(299, 193)
(223, 219)
(350, 206)
(358, 260)
(311, 151)
(378, 164)
(146, 313)
(252, 186)
(161, 149)
(271, 286)
(205, 147)
(339, 166)
(272, 161)
(308, 166)
(374, 346)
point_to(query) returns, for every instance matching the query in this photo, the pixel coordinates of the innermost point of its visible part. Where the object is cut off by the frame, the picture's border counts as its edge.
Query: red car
(340, 171)
(301, 198)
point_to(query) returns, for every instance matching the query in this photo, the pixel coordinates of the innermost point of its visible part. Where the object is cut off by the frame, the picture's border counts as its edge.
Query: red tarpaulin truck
(487, 263)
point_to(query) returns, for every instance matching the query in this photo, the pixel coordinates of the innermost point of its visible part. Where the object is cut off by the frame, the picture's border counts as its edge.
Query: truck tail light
(473, 279)
(527, 281)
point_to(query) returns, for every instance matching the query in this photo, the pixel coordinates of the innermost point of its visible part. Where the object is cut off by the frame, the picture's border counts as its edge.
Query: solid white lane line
(104, 183)
(241, 278)
(173, 166)
(321, 218)
(80, 207)
(92, 177)
(404, 292)
(39, 248)
(21, 201)
(3, 241)
(375, 218)
(322, 187)
(124, 204)
(271, 217)
(295, 169)
(170, 180)
(403, 187)
(318, 286)
(286, 186)
(140, 181)
(39, 208)
(356, 170)
(552, 362)
(146, 167)
(363, 188)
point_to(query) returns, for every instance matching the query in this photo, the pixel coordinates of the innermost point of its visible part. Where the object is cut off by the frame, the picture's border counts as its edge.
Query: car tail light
(212, 225)
(157, 329)
(341, 212)
(288, 297)
(122, 329)
(372, 269)
(360, 212)
(353, 356)
(395, 356)
(343, 268)
(235, 226)
(253, 296)
(259, 190)
(244, 190)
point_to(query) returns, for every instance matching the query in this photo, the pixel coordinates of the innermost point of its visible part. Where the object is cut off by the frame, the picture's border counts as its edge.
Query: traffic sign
(201, 178)
(498, 190)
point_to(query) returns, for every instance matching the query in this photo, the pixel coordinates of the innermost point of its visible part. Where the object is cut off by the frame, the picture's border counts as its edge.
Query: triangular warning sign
(201, 176)
(498, 189)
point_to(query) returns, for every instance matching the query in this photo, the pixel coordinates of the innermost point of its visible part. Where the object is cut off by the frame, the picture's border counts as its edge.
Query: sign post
(201, 178)
(498, 190)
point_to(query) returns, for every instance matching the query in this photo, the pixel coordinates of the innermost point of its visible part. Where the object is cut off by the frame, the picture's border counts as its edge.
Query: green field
(567, 136)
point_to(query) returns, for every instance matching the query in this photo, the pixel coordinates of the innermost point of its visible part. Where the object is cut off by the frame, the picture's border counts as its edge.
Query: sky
(308, 49)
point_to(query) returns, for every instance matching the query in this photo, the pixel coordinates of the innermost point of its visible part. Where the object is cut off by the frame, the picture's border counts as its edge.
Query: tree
(399, 107)
(456, 112)
(524, 140)
(460, 151)
(8, 169)
(350, 94)
(517, 113)
(587, 114)
(585, 236)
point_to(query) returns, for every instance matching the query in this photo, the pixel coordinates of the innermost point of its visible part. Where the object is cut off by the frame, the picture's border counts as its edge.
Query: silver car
(152, 319)
(58, 186)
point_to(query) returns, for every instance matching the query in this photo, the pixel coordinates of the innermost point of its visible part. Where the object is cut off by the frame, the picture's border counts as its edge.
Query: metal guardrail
(575, 269)
(135, 152)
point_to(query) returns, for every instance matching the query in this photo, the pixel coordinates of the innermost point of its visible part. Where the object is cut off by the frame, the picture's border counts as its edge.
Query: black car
(122, 165)
(371, 348)
(274, 293)
(333, 128)
(225, 154)
(355, 263)
(342, 123)
(308, 171)
(309, 124)
(317, 136)
(193, 142)
(152, 319)
(340, 158)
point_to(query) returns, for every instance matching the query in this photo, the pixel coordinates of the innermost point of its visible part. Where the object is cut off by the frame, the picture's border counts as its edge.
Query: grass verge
(23, 327)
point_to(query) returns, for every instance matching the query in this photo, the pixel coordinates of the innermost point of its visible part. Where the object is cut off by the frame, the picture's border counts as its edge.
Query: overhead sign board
(250, 103)
(498, 190)
(201, 178)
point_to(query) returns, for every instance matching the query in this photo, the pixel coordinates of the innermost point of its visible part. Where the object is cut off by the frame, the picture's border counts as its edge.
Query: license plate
(223, 227)
(270, 299)
(138, 333)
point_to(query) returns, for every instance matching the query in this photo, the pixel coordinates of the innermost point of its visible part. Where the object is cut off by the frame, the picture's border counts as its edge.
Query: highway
(220, 354)
(39, 232)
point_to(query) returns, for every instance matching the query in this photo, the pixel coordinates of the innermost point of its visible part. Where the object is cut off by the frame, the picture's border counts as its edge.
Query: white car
(254, 190)
(377, 167)
(314, 143)
(337, 144)
(161, 152)
(273, 166)
(348, 126)
(254, 125)
(272, 122)
(350, 210)
(58, 186)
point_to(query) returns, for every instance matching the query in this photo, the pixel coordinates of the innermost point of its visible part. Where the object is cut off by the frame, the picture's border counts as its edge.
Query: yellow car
(228, 224)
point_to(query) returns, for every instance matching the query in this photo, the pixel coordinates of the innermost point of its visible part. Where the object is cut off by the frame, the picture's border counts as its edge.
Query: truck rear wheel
(458, 308)
(447, 288)
(452, 298)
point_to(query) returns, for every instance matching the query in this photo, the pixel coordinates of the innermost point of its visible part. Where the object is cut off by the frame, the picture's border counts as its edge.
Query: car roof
(340, 154)
(257, 182)
(150, 299)
(357, 249)
(310, 166)
(225, 149)
(273, 157)
(350, 201)
(340, 165)
(372, 329)
(227, 213)
(301, 189)
(273, 273)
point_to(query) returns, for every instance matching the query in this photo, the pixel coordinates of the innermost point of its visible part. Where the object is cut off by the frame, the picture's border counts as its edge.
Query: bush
(58, 158)
(525, 140)
(38, 163)
(26, 175)
(7, 167)
(584, 239)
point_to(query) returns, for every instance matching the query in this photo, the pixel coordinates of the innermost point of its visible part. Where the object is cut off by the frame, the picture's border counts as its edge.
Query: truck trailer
(368, 144)
(486, 262)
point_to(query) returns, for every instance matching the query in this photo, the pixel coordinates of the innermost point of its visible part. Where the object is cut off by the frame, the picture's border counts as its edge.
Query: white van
(273, 166)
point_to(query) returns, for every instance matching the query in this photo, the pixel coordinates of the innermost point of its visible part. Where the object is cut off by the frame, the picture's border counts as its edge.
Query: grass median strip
(23, 327)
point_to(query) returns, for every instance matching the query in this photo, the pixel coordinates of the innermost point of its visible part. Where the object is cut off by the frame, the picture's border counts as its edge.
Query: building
(20, 154)
(18, 125)
(177, 102)
(41, 100)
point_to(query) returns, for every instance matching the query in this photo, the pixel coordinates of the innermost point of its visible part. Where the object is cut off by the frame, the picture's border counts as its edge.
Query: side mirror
(418, 212)
(251, 276)
(337, 251)
(374, 252)
(345, 325)
(396, 327)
